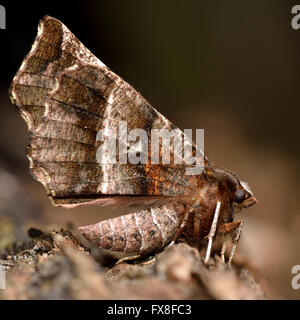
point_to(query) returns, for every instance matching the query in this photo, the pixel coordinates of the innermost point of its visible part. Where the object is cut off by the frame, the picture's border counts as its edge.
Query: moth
(66, 95)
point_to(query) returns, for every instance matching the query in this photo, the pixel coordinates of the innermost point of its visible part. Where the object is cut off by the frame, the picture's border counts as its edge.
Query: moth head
(229, 186)
(243, 197)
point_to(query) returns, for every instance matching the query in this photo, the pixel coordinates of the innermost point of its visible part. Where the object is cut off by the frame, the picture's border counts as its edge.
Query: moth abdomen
(143, 231)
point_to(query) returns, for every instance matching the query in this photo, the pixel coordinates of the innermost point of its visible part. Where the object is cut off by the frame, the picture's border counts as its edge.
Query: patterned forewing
(66, 95)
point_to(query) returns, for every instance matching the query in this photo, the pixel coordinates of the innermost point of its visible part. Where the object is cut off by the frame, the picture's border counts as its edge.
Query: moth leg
(227, 229)
(235, 241)
(224, 248)
(128, 258)
(212, 231)
(150, 261)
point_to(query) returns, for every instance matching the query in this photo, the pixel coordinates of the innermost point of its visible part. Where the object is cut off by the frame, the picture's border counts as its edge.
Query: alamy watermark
(2, 278)
(296, 279)
(160, 146)
(295, 22)
(2, 17)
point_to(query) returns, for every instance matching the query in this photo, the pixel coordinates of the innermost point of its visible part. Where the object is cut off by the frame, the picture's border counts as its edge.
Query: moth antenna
(226, 171)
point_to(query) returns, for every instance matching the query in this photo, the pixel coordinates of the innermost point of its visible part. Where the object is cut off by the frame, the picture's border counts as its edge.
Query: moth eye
(239, 196)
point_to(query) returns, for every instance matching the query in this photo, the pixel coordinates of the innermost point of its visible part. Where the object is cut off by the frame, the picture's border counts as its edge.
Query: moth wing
(66, 95)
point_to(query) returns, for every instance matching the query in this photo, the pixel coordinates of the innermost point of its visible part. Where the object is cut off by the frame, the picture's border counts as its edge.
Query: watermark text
(2, 278)
(155, 146)
(2, 17)
(295, 22)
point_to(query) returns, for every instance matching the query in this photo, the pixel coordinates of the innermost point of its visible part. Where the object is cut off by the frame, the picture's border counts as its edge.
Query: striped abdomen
(143, 231)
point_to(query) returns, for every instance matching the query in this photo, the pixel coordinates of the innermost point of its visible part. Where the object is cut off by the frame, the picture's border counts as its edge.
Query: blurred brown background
(230, 67)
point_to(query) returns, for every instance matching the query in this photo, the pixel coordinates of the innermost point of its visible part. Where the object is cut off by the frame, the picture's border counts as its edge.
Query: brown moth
(66, 95)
